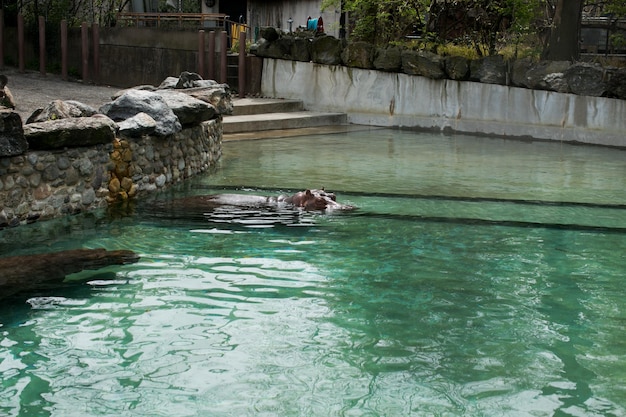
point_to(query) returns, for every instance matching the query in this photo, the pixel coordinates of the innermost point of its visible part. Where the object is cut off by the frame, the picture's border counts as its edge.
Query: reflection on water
(453, 290)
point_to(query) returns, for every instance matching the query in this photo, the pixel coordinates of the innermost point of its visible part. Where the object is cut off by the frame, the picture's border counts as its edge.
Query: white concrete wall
(277, 14)
(391, 99)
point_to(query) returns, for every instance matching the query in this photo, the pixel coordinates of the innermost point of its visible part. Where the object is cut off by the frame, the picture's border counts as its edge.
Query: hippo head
(311, 200)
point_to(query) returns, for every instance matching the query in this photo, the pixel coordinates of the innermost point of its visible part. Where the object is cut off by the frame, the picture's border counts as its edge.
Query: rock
(456, 67)
(490, 70)
(138, 125)
(59, 109)
(145, 87)
(278, 49)
(388, 59)
(544, 75)
(519, 68)
(586, 79)
(186, 79)
(358, 55)
(326, 50)
(217, 95)
(6, 98)
(422, 63)
(73, 132)
(81, 109)
(269, 33)
(301, 49)
(189, 110)
(133, 102)
(169, 82)
(12, 141)
(617, 84)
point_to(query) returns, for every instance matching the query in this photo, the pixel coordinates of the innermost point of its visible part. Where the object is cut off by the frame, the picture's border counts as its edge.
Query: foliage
(73, 11)
(382, 22)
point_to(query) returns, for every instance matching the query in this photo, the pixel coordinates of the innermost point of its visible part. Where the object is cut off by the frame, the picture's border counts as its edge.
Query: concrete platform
(245, 106)
(253, 115)
(289, 120)
(305, 131)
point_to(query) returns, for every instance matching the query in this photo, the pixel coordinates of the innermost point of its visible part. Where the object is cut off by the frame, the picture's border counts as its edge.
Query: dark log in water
(29, 272)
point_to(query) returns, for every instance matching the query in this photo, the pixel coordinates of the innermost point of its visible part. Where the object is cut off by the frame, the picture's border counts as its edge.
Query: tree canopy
(485, 25)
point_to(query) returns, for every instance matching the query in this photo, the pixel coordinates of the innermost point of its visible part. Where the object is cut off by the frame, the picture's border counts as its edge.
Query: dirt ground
(31, 91)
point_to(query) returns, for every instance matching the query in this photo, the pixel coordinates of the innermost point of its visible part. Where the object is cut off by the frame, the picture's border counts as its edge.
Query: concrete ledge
(290, 120)
(400, 100)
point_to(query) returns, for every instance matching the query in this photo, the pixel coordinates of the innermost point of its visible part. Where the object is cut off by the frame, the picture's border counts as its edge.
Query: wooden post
(84, 36)
(1, 38)
(95, 29)
(223, 58)
(20, 42)
(242, 65)
(201, 69)
(64, 49)
(42, 45)
(211, 63)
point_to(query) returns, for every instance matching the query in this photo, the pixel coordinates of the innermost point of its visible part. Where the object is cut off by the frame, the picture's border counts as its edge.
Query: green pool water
(479, 277)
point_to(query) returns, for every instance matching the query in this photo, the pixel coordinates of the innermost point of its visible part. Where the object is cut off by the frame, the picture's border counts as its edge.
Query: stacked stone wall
(41, 185)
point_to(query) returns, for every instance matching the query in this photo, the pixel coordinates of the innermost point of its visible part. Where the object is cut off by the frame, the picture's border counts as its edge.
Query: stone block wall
(41, 185)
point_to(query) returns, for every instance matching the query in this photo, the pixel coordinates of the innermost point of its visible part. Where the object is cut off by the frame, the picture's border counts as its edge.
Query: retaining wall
(45, 184)
(399, 100)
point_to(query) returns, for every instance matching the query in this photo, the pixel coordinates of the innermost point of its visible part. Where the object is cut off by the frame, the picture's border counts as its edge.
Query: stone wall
(41, 185)
(378, 98)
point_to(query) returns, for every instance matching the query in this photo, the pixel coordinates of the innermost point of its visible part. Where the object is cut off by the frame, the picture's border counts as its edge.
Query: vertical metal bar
(211, 75)
(242, 65)
(201, 69)
(223, 58)
(64, 49)
(1, 38)
(95, 28)
(20, 42)
(42, 45)
(84, 36)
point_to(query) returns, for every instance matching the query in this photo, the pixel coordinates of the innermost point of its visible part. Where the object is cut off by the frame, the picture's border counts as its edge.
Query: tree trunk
(565, 32)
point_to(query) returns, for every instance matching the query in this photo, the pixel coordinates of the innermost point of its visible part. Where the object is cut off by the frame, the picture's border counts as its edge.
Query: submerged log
(29, 272)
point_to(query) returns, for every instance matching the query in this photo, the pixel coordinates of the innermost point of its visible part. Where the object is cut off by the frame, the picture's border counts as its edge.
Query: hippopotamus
(308, 200)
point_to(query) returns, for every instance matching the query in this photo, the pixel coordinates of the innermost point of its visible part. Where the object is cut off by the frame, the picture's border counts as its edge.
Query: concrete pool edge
(398, 100)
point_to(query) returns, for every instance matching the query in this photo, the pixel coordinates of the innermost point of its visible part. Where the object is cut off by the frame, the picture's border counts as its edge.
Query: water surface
(479, 277)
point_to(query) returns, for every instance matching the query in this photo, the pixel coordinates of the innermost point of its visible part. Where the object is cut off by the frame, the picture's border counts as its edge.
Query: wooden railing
(186, 20)
(198, 20)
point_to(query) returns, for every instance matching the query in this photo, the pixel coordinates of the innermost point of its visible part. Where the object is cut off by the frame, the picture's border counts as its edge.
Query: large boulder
(456, 67)
(60, 109)
(617, 84)
(388, 59)
(586, 79)
(12, 140)
(137, 126)
(490, 70)
(217, 95)
(132, 102)
(69, 133)
(543, 75)
(301, 49)
(6, 98)
(189, 110)
(358, 55)
(269, 33)
(424, 63)
(326, 50)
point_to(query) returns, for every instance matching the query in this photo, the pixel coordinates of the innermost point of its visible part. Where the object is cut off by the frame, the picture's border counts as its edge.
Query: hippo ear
(308, 192)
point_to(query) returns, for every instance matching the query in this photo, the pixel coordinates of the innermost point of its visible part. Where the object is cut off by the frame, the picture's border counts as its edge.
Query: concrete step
(243, 106)
(281, 120)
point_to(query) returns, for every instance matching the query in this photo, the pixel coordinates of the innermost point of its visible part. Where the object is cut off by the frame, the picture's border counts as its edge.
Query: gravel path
(31, 91)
